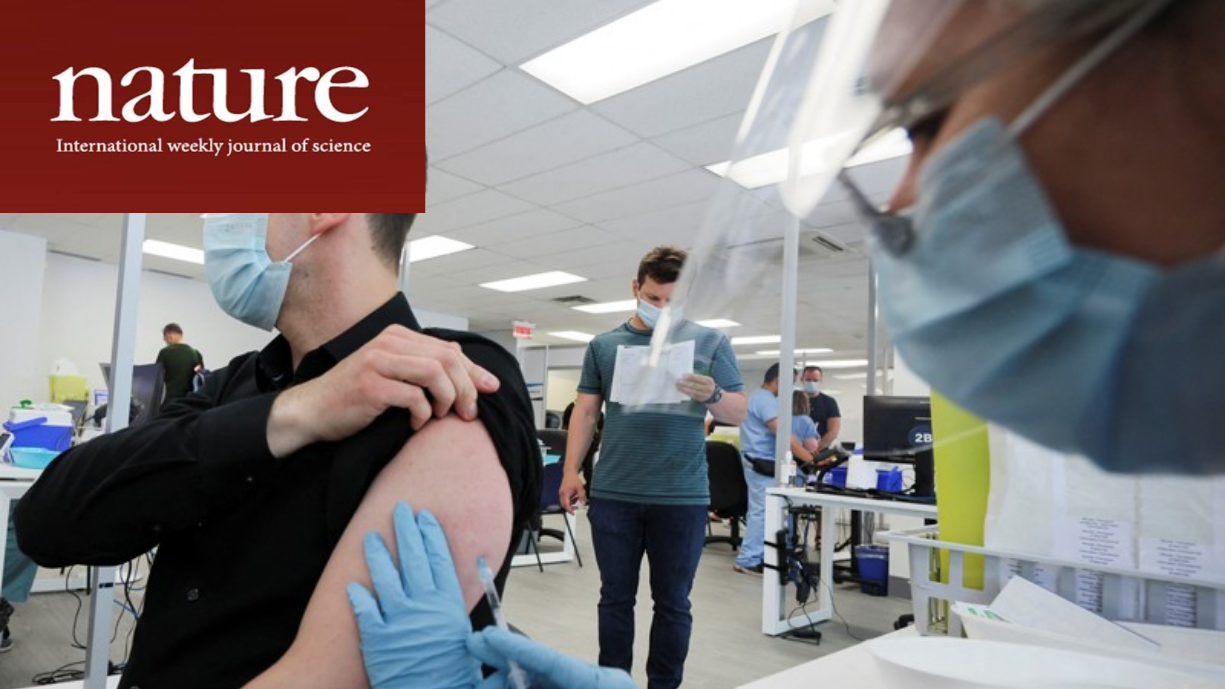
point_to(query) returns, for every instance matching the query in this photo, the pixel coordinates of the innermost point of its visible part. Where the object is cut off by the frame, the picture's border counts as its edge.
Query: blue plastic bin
(836, 477)
(38, 433)
(873, 561)
(889, 480)
(32, 457)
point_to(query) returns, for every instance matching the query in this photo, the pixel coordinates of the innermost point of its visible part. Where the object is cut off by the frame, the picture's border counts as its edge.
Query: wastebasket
(873, 561)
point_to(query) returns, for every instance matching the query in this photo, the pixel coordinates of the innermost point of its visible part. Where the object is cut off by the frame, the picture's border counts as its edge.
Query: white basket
(1126, 594)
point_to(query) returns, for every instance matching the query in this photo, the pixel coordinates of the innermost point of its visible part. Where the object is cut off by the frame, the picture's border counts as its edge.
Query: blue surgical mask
(648, 313)
(1000, 312)
(245, 281)
(812, 387)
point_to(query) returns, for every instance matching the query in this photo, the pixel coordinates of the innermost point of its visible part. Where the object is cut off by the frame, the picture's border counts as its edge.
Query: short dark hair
(171, 328)
(814, 368)
(771, 374)
(662, 264)
(390, 231)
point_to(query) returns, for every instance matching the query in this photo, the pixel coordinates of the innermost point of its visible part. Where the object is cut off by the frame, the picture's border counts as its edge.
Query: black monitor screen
(148, 388)
(896, 426)
(899, 429)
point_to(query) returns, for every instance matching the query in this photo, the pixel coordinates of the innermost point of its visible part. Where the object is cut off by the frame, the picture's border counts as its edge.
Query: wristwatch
(714, 396)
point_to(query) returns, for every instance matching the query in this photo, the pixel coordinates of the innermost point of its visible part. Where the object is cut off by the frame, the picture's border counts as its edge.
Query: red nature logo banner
(108, 106)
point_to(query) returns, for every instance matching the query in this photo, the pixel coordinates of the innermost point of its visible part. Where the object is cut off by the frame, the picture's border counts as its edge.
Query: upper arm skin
(450, 468)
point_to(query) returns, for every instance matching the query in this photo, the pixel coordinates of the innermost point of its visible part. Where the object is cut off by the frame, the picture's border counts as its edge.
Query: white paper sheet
(635, 383)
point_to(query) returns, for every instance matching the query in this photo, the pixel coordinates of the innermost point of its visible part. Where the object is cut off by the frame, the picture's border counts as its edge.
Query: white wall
(21, 286)
(561, 388)
(78, 318)
(78, 314)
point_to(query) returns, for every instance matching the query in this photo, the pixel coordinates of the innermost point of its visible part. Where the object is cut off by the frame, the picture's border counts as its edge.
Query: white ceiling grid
(539, 182)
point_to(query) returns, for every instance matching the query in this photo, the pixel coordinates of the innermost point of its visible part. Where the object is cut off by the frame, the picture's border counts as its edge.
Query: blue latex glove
(544, 667)
(414, 635)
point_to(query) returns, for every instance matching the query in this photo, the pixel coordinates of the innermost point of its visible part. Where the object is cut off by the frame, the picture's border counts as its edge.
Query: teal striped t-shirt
(655, 457)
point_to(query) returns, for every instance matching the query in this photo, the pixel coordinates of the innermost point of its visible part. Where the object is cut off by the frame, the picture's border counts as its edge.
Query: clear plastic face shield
(843, 87)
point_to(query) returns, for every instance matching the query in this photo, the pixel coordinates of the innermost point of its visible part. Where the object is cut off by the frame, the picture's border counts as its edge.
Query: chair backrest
(729, 494)
(555, 441)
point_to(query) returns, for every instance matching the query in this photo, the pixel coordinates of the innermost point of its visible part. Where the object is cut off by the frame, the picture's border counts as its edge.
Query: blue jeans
(754, 544)
(672, 537)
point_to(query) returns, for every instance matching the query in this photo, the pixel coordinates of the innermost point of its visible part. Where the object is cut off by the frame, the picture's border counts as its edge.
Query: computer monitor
(899, 429)
(148, 388)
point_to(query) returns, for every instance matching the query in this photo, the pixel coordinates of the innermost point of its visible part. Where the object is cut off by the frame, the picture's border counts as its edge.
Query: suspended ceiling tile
(706, 143)
(466, 211)
(710, 90)
(611, 170)
(451, 66)
(503, 104)
(513, 227)
(561, 141)
(684, 187)
(514, 31)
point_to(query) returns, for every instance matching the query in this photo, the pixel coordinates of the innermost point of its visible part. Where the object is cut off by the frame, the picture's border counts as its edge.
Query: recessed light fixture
(660, 39)
(757, 339)
(575, 335)
(840, 363)
(852, 376)
(178, 252)
(718, 323)
(608, 306)
(538, 281)
(811, 350)
(434, 246)
(771, 168)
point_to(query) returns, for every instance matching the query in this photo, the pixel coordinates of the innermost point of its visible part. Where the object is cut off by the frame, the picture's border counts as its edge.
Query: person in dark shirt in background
(822, 409)
(180, 362)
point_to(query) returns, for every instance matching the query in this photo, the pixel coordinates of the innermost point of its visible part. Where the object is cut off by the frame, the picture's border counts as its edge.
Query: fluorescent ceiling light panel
(661, 39)
(609, 306)
(434, 246)
(771, 168)
(840, 363)
(573, 335)
(176, 251)
(811, 350)
(719, 323)
(852, 376)
(537, 281)
(757, 339)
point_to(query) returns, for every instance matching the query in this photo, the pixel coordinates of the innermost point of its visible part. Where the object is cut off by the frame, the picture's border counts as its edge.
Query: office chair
(555, 441)
(729, 494)
(552, 420)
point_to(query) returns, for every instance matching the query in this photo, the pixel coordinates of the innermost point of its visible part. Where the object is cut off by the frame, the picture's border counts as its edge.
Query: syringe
(518, 678)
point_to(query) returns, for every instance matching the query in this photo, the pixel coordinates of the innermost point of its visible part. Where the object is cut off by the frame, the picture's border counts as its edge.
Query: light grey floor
(557, 607)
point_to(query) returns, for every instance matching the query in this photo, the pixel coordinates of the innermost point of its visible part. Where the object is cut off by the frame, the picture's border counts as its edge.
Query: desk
(853, 667)
(111, 683)
(14, 482)
(773, 595)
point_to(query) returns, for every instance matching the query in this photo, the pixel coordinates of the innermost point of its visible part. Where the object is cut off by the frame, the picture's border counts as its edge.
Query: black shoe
(6, 641)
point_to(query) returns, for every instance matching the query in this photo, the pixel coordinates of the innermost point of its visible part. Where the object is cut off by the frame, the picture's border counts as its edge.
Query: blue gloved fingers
(384, 576)
(365, 608)
(546, 667)
(414, 565)
(439, 554)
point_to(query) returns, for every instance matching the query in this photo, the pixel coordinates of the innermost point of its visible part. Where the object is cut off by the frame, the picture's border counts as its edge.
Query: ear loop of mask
(1084, 66)
(290, 258)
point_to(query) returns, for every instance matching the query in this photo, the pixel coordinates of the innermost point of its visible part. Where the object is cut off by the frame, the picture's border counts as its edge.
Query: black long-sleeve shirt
(241, 536)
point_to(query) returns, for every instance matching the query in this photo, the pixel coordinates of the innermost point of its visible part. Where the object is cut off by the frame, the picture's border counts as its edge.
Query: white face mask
(246, 282)
(812, 387)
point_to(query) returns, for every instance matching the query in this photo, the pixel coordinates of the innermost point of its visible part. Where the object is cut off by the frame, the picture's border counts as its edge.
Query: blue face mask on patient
(245, 281)
(1077, 349)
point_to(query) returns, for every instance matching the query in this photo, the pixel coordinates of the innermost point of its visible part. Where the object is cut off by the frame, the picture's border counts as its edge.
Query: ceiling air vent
(828, 244)
(574, 300)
